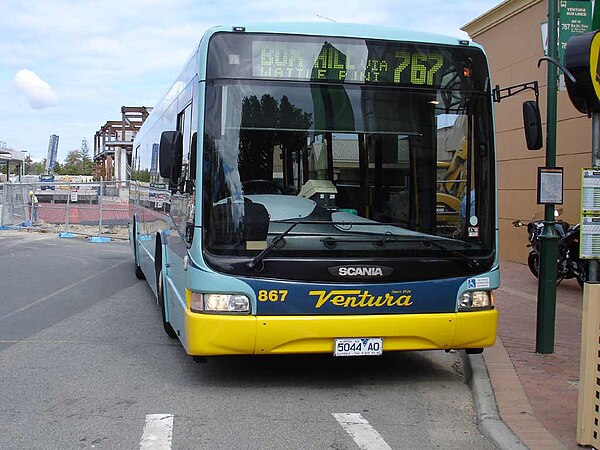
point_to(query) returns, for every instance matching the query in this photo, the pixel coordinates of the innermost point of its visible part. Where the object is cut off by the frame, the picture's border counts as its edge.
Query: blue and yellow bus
(303, 188)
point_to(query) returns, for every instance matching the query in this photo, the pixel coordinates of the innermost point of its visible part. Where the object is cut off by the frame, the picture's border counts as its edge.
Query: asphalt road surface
(84, 363)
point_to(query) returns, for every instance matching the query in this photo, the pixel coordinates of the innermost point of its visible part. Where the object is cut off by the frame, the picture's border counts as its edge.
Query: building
(113, 144)
(511, 34)
(13, 160)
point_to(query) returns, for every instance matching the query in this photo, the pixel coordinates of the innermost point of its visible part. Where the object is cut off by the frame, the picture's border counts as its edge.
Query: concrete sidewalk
(536, 394)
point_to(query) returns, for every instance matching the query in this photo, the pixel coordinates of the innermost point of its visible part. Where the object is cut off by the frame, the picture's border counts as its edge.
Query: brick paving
(536, 394)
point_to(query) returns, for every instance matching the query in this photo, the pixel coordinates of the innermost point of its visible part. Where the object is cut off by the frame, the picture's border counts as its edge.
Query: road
(84, 363)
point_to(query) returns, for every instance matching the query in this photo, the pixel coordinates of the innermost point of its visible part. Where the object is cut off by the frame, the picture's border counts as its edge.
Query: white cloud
(39, 93)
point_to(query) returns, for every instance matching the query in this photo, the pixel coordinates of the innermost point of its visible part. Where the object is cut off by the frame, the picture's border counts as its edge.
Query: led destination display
(348, 63)
(346, 60)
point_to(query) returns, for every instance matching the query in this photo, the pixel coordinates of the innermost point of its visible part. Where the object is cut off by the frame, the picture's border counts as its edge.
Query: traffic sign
(574, 17)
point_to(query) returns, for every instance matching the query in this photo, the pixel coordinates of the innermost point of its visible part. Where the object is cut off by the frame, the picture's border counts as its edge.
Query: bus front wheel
(474, 351)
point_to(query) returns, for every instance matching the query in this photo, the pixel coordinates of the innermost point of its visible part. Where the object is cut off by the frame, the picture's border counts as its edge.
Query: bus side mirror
(532, 123)
(169, 143)
(176, 161)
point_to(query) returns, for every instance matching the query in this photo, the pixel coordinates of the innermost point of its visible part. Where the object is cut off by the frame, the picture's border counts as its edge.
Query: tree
(77, 161)
(86, 161)
(72, 164)
(36, 168)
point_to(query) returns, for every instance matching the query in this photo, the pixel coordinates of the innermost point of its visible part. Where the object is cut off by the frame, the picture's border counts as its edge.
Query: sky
(67, 66)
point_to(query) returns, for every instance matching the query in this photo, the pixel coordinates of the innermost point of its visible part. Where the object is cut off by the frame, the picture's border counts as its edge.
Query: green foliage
(279, 118)
(141, 175)
(77, 162)
(36, 168)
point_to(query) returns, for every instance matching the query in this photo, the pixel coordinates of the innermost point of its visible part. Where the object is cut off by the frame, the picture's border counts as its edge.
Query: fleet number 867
(272, 295)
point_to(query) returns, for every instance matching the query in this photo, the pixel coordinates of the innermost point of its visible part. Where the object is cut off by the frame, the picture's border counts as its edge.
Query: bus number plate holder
(358, 347)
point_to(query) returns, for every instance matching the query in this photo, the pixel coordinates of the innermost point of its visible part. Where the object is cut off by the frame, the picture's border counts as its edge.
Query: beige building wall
(510, 34)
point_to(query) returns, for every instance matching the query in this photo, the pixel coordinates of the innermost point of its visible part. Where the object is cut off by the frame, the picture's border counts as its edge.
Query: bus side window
(184, 121)
(193, 158)
(190, 189)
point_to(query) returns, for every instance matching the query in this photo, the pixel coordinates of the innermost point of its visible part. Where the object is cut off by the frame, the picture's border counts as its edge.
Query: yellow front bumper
(211, 334)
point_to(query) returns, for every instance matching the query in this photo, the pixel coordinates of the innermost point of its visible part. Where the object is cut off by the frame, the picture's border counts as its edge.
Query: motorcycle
(568, 263)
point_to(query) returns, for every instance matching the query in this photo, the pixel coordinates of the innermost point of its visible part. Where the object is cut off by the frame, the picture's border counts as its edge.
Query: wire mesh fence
(96, 209)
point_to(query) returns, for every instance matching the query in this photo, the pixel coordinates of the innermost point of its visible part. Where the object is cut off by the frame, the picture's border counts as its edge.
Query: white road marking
(361, 431)
(158, 432)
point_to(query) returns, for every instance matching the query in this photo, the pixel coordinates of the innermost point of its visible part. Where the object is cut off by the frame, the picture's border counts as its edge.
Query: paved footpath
(536, 394)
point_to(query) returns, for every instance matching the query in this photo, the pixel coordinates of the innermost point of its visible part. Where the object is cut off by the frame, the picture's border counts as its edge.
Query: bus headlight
(219, 303)
(471, 300)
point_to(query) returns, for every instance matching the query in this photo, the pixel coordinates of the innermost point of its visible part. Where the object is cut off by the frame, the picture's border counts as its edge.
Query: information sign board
(589, 244)
(575, 17)
(550, 186)
(589, 247)
(590, 191)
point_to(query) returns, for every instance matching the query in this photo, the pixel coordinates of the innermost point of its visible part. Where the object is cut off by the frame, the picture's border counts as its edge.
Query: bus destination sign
(351, 63)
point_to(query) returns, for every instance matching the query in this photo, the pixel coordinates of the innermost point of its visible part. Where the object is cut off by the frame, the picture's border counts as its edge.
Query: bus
(289, 194)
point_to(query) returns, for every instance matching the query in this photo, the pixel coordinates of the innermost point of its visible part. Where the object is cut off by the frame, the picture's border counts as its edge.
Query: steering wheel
(261, 187)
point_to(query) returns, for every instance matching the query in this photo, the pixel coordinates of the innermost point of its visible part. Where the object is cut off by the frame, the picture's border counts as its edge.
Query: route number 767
(422, 67)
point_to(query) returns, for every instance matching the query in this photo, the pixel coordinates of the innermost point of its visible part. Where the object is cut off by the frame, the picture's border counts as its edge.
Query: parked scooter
(568, 263)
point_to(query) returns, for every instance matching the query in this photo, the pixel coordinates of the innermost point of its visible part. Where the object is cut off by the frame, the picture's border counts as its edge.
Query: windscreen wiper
(390, 238)
(471, 262)
(258, 258)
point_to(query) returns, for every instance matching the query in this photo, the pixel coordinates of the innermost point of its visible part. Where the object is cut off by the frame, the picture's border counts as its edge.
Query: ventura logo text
(356, 298)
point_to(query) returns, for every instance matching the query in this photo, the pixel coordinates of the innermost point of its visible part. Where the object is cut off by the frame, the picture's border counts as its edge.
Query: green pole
(546, 307)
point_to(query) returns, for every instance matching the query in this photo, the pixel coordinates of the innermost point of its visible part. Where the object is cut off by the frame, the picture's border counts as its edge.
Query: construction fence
(96, 209)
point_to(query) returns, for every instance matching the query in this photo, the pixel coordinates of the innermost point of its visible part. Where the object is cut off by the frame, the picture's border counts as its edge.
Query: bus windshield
(346, 149)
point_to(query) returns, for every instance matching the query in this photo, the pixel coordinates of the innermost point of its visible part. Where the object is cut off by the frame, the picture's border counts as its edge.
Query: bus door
(182, 215)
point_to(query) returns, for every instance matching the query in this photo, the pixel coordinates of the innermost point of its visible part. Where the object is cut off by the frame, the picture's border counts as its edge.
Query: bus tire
(139, 273)
(161, 304)
(474, 351)
(533, 261)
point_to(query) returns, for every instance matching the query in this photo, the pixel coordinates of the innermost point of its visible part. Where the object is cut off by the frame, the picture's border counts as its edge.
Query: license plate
(358, 347)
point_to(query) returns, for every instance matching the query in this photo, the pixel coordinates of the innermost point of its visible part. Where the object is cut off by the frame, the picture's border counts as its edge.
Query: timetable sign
(589, 244)
(590, 192)
(589, 247)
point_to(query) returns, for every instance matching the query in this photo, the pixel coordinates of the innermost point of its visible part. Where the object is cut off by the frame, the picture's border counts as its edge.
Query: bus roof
(196, 64)
(351, 30)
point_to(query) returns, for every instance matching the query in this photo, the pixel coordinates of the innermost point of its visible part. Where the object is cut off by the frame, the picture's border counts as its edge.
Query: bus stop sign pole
(546, 306)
